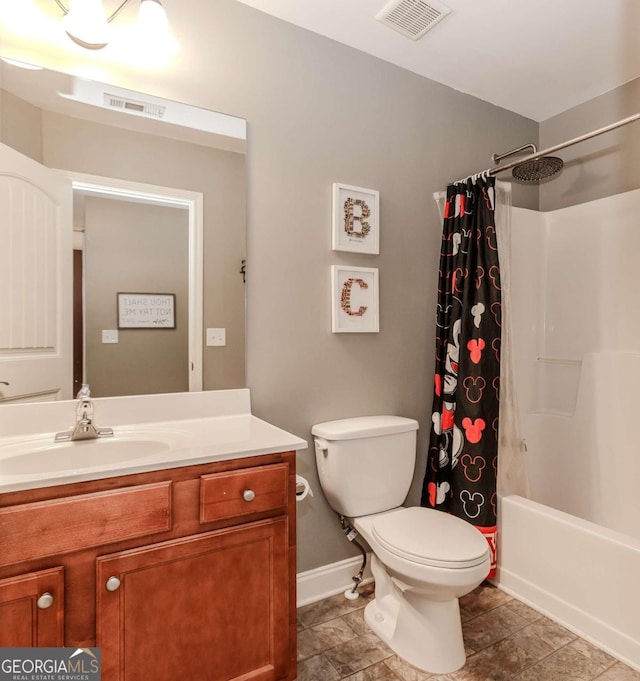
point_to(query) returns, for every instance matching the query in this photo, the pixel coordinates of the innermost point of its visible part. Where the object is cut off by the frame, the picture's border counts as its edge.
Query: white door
(36, 278)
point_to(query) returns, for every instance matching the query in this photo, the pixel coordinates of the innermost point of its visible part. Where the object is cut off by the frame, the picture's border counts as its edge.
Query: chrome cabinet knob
(112, 584)
(248, 495)
(45, 601)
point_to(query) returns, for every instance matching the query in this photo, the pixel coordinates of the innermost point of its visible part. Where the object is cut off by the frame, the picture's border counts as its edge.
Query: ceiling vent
(143, 108)
(412, 18)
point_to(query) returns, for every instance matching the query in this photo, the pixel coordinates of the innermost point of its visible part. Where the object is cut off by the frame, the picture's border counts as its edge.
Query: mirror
(145, 171)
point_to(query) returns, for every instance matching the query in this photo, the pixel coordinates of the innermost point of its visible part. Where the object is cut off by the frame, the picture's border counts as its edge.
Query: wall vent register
(143, 108)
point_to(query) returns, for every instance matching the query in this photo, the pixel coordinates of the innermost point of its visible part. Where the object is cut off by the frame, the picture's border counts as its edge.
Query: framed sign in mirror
(146, 311)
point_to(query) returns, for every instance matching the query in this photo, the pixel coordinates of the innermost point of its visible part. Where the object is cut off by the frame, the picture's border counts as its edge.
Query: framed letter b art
(354, 299)
(356, 223)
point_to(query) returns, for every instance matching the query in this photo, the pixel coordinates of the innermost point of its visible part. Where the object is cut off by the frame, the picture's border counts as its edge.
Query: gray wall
(21, 125)
(319, 112)
(137, 248)
(605, 165)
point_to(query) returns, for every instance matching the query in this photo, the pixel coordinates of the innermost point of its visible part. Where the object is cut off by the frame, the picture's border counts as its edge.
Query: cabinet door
(213, 606)
(32, 610)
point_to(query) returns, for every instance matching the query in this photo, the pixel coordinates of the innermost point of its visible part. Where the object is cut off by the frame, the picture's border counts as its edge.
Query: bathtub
(582, 575)
(572, 551)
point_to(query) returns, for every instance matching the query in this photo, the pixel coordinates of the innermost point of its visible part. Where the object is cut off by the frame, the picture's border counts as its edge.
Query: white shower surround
(573, 551)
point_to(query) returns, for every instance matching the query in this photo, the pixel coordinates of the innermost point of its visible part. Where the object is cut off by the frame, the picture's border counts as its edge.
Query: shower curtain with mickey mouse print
(463, 447)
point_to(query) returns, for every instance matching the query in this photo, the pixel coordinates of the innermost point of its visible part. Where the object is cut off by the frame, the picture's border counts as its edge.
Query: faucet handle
(84, 410)
(84, 392)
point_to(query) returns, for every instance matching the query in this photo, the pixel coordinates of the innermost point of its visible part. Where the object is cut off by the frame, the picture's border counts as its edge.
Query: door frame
(167, 196)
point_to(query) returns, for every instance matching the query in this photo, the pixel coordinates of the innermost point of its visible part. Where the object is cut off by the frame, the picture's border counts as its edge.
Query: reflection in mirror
(136, 238)
(140, 249)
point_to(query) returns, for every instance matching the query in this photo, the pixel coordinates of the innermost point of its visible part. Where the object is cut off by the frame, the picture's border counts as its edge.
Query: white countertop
(139, 444)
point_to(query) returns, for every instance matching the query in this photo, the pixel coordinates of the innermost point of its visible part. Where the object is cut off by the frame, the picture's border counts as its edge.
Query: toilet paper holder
(303, 488)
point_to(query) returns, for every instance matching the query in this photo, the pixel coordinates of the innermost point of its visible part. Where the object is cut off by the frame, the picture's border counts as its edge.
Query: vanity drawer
(242, 492)
(44, 528)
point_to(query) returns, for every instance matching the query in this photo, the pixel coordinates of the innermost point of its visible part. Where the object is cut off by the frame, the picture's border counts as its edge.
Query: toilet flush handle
(322, 445)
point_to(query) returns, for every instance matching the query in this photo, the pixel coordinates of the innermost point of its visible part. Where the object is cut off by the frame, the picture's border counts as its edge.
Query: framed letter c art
(354, 299)
(356, 223)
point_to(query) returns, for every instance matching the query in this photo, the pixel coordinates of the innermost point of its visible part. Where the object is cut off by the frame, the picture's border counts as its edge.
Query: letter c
(345, 297)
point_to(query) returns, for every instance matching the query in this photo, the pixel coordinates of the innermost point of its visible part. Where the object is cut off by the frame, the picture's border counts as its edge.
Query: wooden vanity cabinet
(183, 573)
(32, 610)
(203, 607)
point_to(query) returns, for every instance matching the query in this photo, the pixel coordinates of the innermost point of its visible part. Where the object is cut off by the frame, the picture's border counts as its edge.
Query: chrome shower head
(538, 169)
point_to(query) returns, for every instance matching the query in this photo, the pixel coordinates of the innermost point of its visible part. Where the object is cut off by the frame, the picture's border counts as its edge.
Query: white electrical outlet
(216, 337)
(109, 336)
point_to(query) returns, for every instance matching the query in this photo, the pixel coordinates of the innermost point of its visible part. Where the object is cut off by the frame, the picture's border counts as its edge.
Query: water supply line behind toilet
(351, 534)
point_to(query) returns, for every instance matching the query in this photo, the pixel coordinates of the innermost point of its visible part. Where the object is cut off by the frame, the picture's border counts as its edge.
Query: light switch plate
(216, 337)
(109, 336)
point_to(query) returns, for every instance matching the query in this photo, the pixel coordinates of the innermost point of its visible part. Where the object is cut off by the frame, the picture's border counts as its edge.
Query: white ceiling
(535, 57)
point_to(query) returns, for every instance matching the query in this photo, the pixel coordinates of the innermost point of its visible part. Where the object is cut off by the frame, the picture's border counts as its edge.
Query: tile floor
(505, 640)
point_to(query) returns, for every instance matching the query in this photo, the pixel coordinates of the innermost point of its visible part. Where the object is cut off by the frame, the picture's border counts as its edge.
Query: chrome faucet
(84, 428)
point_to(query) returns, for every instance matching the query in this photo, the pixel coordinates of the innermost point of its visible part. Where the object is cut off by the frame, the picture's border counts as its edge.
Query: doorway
(134, 266)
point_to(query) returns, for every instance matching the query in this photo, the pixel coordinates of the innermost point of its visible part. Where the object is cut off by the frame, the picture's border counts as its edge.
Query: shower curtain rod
(557, 147)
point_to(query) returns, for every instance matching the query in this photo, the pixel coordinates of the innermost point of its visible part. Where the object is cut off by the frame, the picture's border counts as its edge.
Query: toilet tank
(365, 464)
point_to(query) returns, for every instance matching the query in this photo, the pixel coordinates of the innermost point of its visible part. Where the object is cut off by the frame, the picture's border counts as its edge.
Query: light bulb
(86, 24)
(154, 34)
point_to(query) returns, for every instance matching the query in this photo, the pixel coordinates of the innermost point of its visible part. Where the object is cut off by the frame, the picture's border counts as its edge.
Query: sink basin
(42, 455)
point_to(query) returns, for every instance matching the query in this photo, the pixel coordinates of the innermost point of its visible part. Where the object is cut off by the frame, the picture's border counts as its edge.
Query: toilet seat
(430, 537)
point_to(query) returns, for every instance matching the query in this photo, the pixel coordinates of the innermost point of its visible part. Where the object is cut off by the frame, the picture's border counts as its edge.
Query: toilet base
(426, 634)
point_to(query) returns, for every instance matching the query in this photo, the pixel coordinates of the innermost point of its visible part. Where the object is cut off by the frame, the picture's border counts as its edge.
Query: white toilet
(423, 559)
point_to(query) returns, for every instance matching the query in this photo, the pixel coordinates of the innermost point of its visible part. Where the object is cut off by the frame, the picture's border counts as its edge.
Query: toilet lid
(430, 537)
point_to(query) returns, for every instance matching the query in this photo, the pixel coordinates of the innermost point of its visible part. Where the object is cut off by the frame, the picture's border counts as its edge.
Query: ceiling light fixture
(88, 25)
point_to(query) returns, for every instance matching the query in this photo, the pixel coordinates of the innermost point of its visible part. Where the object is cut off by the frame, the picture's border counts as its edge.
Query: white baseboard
(328, 580)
